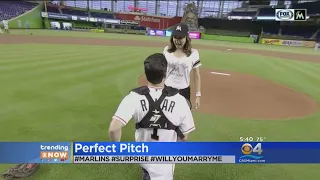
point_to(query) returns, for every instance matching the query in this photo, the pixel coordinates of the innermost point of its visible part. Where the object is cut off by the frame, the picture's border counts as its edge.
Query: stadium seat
(11, 9)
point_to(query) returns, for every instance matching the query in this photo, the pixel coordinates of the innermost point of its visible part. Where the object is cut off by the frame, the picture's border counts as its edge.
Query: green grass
(70, 92)
(166, 39)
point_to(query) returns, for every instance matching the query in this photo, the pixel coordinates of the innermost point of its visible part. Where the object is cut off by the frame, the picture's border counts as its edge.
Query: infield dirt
(236, 95)
(249, 97)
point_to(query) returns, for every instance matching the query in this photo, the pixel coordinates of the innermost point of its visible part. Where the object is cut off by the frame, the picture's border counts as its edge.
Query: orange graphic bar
(53, 155)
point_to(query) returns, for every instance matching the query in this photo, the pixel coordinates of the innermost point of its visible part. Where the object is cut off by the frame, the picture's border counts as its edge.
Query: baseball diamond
(57, 72)
(67, 66)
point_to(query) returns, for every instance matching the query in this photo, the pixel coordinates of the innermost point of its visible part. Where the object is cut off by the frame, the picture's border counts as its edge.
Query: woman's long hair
(186, 48)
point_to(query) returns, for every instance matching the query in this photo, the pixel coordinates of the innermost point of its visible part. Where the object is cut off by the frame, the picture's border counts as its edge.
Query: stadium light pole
(88, 8)
(45, 5)
(46, 19)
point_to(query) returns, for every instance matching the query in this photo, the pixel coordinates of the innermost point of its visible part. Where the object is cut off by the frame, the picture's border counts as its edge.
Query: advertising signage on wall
(194, 35)
(55, 16)
(153, 22)
(128, 22)
(153, 32)
(283, 42)
(168, 33)
(146, 19)
(78, 18)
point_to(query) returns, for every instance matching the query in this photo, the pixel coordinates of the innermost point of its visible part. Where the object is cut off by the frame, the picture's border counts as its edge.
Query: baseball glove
(20, 171)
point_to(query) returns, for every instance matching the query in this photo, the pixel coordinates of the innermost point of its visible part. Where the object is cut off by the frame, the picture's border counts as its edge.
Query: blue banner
(35, 152)
(168, 33)
(257, 152)
(154, 32)
(264, 152)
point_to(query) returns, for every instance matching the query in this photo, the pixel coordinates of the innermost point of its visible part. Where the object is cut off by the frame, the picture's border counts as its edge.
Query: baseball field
(65, 86)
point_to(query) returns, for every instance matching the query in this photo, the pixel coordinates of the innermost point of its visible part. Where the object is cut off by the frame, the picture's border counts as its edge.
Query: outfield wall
(32, 17)
(227, 38)
(199, 35)
(284, 42)
(121, 31)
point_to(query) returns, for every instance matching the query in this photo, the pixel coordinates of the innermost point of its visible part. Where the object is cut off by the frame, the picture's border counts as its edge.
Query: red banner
(153, 22)
(131, 8)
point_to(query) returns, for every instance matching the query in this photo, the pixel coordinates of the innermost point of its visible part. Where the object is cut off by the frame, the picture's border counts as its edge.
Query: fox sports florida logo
(285, 14)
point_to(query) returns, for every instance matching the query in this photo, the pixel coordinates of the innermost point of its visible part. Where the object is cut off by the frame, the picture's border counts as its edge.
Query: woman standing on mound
(182, 58)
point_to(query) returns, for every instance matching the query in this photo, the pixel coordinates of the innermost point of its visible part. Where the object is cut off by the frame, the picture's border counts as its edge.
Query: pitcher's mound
(244, 96)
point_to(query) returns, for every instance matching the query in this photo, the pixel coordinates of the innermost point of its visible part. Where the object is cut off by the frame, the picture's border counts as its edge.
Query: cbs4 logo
(248, 149)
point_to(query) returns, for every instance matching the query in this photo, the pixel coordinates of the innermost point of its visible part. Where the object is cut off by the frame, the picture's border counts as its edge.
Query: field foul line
(224, 74)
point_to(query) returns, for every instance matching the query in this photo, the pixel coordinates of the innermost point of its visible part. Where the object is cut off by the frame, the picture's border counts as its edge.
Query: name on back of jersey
(167, 105)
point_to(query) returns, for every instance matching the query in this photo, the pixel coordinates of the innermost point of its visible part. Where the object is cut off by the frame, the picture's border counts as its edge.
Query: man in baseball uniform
(160, 113)
(1, 25)
(6, 25)
(316, 46)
